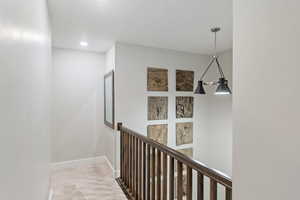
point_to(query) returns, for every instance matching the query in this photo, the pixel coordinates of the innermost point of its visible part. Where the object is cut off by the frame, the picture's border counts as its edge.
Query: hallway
(85, 181)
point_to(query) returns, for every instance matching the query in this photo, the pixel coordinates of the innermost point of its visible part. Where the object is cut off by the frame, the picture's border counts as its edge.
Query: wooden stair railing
(147, 171)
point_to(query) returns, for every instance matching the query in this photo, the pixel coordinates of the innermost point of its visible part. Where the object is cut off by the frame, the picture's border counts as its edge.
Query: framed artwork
(158, 133)
(184, 107)
(157, 108)
(109, 99)
(188, 152)
(157, 79)
(184, 133)
(184, 81)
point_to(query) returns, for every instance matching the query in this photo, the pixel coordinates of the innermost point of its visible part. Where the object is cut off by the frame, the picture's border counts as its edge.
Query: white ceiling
(172, 24)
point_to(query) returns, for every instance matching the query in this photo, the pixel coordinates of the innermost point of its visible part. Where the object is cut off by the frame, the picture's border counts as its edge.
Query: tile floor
(90, 181)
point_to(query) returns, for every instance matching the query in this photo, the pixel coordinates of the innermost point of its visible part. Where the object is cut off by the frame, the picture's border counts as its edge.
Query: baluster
(130, 162)
(140, 169)
(213, 189)
(127, 160)
(148, 172)
(171, 183)
(153, 174)
(158, 175)
(165, 176)
(133, 166)
(121, 155)
(189, 189)
(137, 168)
(228, 194)
(179, 181)
(144, 171)
(200, 186)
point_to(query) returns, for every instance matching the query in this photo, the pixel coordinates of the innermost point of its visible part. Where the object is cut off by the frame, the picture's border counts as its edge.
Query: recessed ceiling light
(84, 44)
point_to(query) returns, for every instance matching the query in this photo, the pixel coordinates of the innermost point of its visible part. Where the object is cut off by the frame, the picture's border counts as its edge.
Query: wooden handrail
(130, 141)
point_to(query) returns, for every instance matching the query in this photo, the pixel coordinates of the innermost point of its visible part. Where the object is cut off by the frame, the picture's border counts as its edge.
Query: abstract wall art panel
(188, 152)
(157, 79)
(184, 133)
(157, 108)
(184, 81)
(158, 133)
(184, 107)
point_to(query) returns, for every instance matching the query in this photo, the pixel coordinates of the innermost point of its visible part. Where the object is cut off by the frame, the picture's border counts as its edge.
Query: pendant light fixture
(222, 83)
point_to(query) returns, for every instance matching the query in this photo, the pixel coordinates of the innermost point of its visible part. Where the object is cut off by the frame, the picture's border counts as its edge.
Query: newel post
(119, 126)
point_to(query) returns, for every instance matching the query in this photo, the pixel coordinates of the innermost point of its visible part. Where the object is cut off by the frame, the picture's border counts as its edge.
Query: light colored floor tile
(86, 182)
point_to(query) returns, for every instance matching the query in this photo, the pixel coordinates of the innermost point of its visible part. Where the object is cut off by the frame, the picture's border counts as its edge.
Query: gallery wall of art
(150, 108)
(167, 110)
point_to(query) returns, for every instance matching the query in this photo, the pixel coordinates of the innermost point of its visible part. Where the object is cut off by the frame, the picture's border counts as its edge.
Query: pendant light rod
(207, 68)
(220, 68)
(215, 30)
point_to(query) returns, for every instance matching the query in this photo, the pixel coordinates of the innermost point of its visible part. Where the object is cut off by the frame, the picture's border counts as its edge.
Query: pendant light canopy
(222, 83)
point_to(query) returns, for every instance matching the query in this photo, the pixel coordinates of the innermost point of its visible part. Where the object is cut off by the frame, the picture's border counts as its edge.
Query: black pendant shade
(223, 88)
(200, 88)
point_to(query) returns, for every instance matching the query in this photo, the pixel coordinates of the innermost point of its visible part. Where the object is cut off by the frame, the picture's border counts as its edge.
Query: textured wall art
(184, 107)
(184, 133)
(157, 108)
(188, 152)
(184, 80)
(158, 133)
(157, 79)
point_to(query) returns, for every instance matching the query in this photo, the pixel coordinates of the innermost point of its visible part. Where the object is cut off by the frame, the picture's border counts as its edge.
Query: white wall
(266, 107)
(110, 135)
(77, 105)
(218, 119)
(25, 57)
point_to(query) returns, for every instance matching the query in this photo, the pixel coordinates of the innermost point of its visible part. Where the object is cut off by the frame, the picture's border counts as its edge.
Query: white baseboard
(109, 163)
(50, 197)
(117, 173)
(74, 163)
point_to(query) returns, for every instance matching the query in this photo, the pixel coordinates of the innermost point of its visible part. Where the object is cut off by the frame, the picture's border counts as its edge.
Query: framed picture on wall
(109, 100)
(184, 81)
